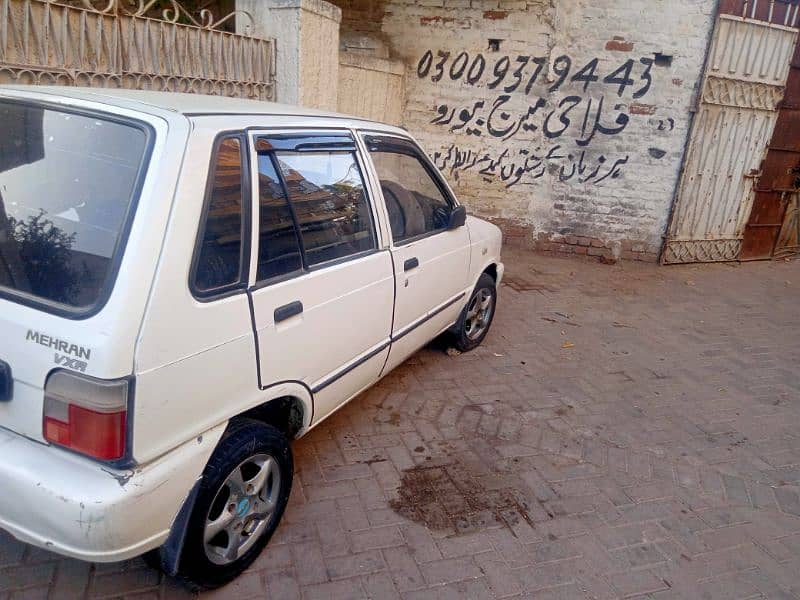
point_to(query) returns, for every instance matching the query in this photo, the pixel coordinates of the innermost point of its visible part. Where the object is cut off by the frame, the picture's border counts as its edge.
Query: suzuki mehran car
(189, 283)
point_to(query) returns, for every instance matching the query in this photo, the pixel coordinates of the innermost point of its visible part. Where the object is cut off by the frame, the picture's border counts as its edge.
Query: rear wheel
(477, 316)
(243, 494)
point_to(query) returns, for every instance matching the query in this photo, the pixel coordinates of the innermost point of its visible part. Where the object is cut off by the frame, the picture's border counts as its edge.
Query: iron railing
(115, 45)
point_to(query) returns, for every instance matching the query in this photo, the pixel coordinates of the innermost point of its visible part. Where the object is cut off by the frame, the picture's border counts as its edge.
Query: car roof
(182, 103)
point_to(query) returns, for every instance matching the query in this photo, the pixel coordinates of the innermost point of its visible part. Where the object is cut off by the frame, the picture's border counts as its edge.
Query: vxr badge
(71, 363)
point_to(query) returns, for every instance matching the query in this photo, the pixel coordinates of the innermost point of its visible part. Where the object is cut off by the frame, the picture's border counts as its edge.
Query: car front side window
(415, 202)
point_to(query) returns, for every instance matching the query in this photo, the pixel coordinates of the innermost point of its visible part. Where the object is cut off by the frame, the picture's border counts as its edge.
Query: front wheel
(477, 316)
(243, 494)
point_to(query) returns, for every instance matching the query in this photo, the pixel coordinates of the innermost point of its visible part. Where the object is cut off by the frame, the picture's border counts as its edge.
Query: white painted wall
(371, 87)
(615, 189)
(307, 36)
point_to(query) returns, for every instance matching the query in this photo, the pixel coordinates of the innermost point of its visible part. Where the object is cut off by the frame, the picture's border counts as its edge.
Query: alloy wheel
(242, 509)
(479, 313)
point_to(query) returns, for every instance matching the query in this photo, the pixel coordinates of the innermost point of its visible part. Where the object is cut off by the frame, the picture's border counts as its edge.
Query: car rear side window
(328, 198)
(278, 246)
(68, 182)
(314, 208)
(220, 256)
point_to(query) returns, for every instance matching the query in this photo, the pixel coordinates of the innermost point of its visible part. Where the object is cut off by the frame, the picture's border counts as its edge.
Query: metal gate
(773, 226)
(44, 42)
(743, 86)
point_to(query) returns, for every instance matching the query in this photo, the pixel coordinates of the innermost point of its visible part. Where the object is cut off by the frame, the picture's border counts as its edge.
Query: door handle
(411, 263)
(6, 382)
(287, 311)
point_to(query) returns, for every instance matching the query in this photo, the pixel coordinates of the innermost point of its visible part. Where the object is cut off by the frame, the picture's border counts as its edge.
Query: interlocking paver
(655, 455)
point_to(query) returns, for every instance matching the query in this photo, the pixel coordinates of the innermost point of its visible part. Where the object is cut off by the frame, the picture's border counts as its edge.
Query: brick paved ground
(625, 431)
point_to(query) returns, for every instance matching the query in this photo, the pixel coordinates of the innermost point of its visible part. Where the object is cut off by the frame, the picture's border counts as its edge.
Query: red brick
(619, 45)
(516, 231)
(495, 15)
(642, 109)
(425, 21)
(437, 20)
(449, 570)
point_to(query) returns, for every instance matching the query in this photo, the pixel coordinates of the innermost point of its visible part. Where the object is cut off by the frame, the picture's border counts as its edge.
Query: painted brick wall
(587, 151)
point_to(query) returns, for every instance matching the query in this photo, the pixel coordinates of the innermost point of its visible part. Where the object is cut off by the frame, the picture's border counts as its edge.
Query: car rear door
(431, 261)
(322, 286)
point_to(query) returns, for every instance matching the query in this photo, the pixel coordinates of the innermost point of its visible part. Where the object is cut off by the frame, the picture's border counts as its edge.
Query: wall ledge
(372, 63)
(316, 7)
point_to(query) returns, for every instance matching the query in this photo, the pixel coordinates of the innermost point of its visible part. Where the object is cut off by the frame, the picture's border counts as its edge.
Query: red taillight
(86, 415)
(101, 435)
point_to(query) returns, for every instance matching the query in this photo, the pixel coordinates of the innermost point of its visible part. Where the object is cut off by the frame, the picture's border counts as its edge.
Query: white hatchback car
(187, 283)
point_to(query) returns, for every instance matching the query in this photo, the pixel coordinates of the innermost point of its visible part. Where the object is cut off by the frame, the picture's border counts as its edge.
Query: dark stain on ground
(392, 418)
(521, 284)
(450, 498)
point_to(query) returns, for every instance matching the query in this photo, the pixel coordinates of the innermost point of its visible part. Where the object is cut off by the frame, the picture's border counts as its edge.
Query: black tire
(461, 336)
(244, 439)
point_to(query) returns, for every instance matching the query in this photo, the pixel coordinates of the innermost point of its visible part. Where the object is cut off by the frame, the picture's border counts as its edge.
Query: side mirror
(458, 218)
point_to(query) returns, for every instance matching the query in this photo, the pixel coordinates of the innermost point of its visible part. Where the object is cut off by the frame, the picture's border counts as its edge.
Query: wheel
(242, 496)
(476, 318)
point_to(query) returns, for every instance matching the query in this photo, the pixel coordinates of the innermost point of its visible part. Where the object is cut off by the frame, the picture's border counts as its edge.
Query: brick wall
(364, 16)
(588, 148)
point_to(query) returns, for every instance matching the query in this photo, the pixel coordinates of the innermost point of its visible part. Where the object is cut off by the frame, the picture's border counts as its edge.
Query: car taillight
(86, 415)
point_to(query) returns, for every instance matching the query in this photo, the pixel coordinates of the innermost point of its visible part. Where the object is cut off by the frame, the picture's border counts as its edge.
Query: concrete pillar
(307, 38)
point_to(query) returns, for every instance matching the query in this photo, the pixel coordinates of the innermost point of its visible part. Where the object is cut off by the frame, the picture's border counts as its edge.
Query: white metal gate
(744, 83)
(44, 42)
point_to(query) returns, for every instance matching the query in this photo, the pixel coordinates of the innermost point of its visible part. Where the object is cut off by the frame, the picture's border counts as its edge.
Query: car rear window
(67, 182)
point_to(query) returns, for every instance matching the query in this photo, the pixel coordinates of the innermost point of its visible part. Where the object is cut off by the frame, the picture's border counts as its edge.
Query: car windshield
(66, 186)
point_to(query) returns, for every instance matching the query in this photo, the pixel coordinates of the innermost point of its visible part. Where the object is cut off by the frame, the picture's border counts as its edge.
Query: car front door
(322, 286)
(431, 259)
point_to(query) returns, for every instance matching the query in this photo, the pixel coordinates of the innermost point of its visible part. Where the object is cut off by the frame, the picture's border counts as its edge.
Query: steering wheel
(397, 217)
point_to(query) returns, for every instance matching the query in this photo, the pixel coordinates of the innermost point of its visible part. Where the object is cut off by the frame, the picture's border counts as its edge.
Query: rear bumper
(67, 504)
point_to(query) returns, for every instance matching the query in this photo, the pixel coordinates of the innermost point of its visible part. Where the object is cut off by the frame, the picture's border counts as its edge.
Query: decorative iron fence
(47, 43)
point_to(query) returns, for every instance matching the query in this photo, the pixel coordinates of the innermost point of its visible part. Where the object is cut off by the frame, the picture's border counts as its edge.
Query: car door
(322, 288)
(430, 258)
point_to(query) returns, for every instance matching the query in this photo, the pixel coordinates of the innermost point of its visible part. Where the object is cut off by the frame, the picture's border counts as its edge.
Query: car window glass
(278, 246)
(415, 204)
(328, 198)
(220, 258)
(67, 182)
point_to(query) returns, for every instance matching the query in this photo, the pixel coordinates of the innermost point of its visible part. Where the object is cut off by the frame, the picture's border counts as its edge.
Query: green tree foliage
(46, 252)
